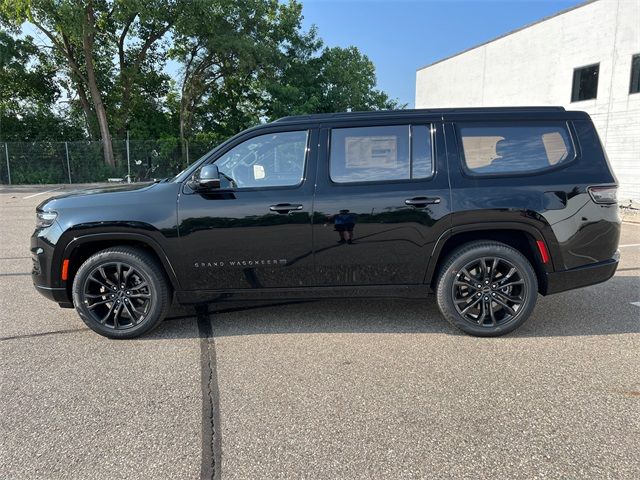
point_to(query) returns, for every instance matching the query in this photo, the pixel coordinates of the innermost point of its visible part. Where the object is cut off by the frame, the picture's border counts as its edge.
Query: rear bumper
(581, 276)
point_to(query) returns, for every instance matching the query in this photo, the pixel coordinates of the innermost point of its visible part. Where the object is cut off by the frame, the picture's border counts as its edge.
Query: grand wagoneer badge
(240, 263)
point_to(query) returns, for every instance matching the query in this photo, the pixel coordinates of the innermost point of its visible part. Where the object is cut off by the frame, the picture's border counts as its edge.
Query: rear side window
(503, 149)
(379, 154)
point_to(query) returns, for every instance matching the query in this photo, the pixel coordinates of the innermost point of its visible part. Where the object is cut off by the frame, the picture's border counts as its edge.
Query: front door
(381, 203)
(255, 232)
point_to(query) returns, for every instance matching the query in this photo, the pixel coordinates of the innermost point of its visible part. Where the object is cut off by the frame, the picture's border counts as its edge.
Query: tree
(338, 80)
(137, 30)
(71, 27)
(29, 93)
(240, 63)
(223, 57)
(86, 34)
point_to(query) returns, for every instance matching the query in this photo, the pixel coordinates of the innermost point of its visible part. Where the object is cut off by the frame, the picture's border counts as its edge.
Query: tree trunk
(101, 113)
(183, 128)
(86, 108)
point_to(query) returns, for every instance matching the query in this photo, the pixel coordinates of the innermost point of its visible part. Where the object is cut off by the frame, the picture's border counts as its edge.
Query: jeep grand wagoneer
(486, 208)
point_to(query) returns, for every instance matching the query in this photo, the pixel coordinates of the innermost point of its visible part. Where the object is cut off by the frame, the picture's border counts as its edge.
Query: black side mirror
(207, 178)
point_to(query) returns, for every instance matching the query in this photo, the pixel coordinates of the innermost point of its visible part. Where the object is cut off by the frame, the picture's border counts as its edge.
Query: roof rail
(418, 111)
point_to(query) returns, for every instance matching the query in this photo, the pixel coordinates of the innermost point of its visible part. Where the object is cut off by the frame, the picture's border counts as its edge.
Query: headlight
(45, 219)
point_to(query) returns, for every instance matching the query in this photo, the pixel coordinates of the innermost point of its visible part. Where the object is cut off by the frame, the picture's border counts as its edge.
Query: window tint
(634, 86)
(271, 160)
(585, 83)
(378, 154)
(515, 149)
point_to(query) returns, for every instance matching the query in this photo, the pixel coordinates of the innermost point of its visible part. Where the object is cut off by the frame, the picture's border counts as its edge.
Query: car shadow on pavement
(604, 309)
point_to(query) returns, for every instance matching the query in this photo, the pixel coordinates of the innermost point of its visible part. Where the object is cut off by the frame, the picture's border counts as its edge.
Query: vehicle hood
(107, 193)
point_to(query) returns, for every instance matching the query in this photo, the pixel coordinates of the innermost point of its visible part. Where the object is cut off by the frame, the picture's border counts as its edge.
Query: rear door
(381, 202)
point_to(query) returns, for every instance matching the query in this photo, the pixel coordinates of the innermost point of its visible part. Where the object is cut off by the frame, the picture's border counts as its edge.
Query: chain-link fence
(83, 161)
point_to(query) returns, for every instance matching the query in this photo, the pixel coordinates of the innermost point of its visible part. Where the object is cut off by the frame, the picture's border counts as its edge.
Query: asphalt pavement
(333, 389)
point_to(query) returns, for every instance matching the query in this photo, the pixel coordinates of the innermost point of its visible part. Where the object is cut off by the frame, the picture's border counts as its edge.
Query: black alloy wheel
(489, 291)
(486, 288)
(121, 292)
(117, 295)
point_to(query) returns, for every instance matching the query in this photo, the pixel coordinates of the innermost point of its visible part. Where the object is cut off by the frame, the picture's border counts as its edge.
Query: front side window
(270, 160)
(585, 83)
(502, 149)
(634, 86)
(379, 154)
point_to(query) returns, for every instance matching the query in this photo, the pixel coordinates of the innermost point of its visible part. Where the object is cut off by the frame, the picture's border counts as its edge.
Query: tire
(129, 307)
(505, 298)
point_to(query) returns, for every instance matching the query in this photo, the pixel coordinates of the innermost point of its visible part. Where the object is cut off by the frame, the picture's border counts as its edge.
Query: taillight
(544, 253)
(606, 194)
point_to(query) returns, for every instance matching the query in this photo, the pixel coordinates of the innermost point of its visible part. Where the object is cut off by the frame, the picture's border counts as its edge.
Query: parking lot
(334, 389)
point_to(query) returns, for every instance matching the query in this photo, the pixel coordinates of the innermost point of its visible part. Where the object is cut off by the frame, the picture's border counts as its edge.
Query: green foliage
(238, 63)
(29, 94)
(340, 79)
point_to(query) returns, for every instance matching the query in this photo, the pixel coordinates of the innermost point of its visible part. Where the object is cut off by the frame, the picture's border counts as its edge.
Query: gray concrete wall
(534, 66)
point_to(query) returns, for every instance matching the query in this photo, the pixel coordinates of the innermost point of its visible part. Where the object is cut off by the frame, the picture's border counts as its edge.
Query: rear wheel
(121, 292)
(487, 289)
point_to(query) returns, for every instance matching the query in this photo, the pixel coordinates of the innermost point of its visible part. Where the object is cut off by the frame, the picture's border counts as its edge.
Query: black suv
(486, 208)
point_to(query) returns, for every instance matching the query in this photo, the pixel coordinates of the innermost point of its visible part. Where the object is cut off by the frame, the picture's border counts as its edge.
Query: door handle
(285, 207)
(421, 202)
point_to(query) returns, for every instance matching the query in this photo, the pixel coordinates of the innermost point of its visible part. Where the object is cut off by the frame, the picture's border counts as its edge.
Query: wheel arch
(81, 248)
(521, 237)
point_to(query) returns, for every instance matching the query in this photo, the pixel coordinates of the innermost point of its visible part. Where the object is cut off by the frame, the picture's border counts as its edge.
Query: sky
(400, 36)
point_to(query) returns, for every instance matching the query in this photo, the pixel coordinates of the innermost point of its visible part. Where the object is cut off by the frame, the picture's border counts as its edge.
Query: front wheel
(121, 292)
(487, 289)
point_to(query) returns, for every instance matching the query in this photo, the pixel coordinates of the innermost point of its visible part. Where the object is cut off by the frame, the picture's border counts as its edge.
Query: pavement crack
(211, 430)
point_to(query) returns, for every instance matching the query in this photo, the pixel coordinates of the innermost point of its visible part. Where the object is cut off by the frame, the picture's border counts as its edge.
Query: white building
(585, 58)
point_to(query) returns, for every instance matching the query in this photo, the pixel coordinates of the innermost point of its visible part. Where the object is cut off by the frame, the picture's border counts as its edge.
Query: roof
(544, 19)
(319, 117)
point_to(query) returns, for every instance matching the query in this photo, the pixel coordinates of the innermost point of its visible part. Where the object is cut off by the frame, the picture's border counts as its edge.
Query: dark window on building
(380, 154)
(503, 149)
(634, 87)
(585, 83)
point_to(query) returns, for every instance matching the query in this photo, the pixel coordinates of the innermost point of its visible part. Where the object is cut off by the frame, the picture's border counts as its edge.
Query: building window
(585, 83)
(634, 87)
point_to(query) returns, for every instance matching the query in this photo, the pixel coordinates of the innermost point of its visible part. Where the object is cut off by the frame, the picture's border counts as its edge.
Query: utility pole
(6, 152)
(66, 147)
(128, 161)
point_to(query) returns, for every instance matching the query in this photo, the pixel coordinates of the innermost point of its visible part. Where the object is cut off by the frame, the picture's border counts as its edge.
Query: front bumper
(56, 294)
(581, 276)
(45, 277)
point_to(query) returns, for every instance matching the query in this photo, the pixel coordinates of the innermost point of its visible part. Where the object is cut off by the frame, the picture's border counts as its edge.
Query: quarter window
(585, 83)
(634, 86)
(270, 160)
(500, 149)
(379, 154)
